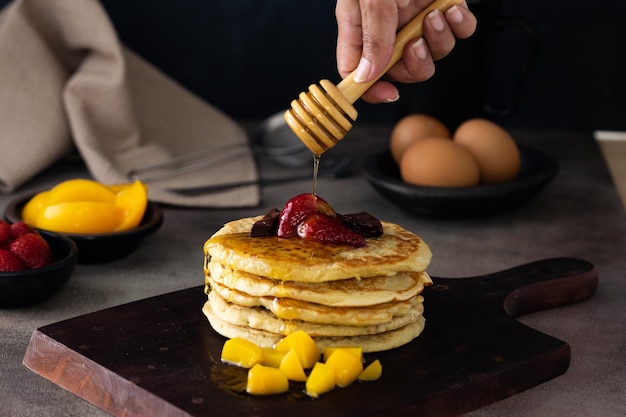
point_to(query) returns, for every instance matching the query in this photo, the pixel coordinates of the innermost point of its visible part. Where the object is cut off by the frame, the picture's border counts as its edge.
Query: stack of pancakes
(263, 288)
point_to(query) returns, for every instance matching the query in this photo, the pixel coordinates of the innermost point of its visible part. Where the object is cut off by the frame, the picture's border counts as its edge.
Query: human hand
(366, 36)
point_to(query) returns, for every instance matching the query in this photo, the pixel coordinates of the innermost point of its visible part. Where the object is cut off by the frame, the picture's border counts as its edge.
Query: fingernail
(362, 71)
(454, 14)
(420, 49)
(391, 100)
(436, 20)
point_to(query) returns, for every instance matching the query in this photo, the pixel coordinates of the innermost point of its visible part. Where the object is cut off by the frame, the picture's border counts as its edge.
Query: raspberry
(6, 235)
(21, 228)
(32, 249)
(9, 262)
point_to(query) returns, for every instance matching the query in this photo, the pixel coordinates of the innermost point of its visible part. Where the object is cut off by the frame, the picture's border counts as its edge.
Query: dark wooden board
(160, 357)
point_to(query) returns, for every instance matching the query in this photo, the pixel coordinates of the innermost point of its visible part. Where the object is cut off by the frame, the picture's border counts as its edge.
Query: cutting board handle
(549, 283)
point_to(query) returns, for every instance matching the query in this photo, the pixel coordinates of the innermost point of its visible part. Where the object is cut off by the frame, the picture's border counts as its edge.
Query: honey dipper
(323, 116)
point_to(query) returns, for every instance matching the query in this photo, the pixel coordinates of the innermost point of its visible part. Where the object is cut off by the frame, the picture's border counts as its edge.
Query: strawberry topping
(324, 228)
(311, 217)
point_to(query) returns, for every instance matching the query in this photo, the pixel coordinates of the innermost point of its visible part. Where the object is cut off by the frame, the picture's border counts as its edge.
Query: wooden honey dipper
(323, 116)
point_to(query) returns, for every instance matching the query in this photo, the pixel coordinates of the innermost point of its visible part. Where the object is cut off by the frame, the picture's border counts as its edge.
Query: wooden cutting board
(160, 357)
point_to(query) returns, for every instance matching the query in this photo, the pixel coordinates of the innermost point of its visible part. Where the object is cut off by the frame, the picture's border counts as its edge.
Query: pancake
(369, 343)
(264, 288)
(305, 260)
(349, 292)
(290, 309)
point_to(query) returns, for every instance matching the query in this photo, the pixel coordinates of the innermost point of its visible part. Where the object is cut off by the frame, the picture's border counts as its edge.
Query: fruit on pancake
(324, 228)
(86, 206)
(311, 217)
(298, 209)
(22, 247)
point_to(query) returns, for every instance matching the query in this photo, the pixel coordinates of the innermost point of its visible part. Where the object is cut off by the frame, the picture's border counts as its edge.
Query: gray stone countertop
(577, 215)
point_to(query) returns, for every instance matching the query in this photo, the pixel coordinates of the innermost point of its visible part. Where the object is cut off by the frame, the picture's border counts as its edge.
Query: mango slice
(78, 217)
(271, 357)
(292, 367)
(321, 380)
(303, 344)
(372, 372)
(132, 200)
(347, 366)
(356, 350)
(265, 380)
(80, 190)
(241, 352)
(83, 206)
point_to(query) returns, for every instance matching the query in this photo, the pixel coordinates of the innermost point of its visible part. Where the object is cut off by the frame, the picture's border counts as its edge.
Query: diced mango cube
(321, 380)
(347, 366)
(357, 350)
(292, 367)
(303, 344)
(372, 372)
(241, 352)
(266, 380)
(271, 357)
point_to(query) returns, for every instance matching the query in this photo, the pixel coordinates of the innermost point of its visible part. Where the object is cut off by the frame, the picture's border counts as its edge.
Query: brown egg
(439, 162)
(493, 148)
(412, 128)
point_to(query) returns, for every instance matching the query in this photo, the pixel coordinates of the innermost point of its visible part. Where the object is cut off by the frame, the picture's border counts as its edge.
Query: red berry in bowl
(32, 249)
(9, 262)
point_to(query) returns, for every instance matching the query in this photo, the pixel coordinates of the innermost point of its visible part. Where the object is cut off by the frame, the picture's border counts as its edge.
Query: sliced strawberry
(9, 262)
(6, 235)
(298, 209)
(32, 249)
(324, 228)
(21, 228)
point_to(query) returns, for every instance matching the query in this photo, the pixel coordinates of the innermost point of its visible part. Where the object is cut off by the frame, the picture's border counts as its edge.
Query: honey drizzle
(316, 167)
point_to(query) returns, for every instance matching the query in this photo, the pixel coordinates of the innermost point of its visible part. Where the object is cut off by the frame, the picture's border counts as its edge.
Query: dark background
(250, 58)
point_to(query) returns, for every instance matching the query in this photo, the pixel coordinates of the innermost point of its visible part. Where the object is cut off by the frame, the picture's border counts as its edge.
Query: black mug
(483, 76)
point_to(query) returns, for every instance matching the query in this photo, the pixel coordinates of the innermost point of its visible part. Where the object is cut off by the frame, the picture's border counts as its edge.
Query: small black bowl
(101, 247)
(537, 170)
(24, 288)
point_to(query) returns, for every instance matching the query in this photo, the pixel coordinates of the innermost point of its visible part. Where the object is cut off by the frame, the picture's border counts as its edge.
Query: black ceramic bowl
(23, 288)
(536, 171)
(103, 247)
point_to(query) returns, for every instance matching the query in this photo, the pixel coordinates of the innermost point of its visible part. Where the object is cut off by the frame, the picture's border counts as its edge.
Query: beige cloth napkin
(66, 81)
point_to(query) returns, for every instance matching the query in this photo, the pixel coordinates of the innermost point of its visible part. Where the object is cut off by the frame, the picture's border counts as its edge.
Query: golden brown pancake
(348, 292)
(305, 260)
(369, 343)
(264, 288)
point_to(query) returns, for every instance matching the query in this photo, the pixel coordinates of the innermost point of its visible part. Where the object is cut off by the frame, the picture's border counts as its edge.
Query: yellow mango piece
(80, 190)
(241, 352)
(356, 350)
(32, 208)
(292, 367)
(271, 357)
(78, 217)
(321, 380)
(347, 366)
(266, 380)
(131, 200)
(303, 344)
(372, 372)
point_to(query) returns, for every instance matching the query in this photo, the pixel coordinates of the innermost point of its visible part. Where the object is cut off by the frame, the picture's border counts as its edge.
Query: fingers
(441, 29)
(366, 36)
